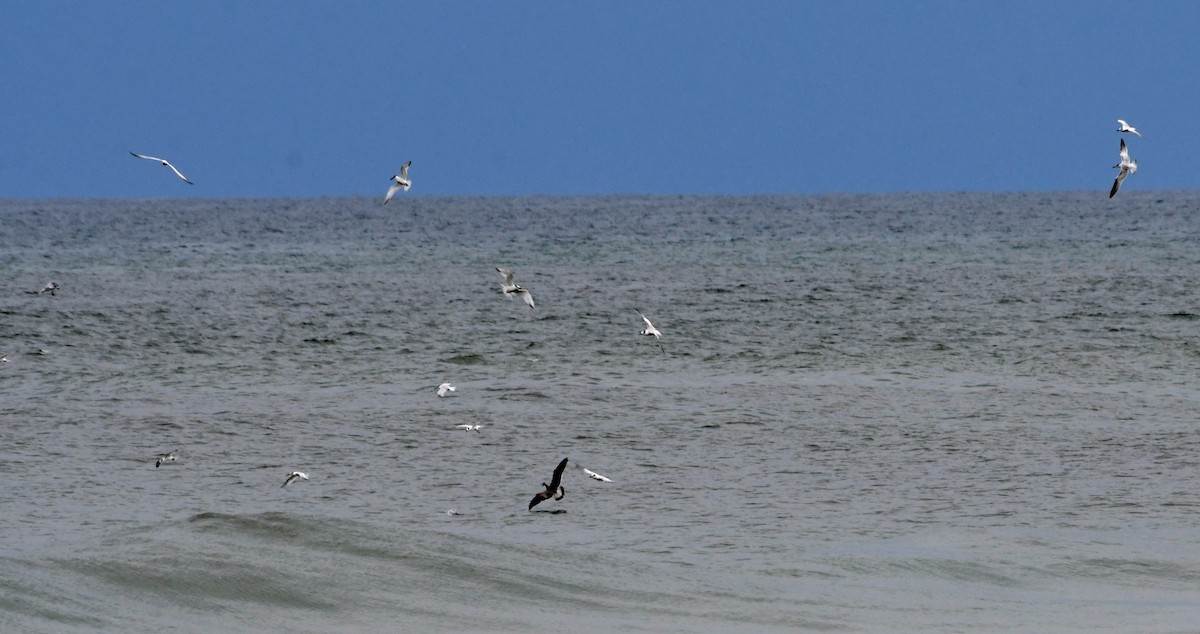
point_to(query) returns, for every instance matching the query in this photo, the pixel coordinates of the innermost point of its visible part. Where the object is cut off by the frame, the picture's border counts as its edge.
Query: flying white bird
(1127, 167)
(50, 287)
(295, 475)
(165, 457)
(651, 330)
(595, 476)
(400, 182)
(4, 358)
(445, 388)
(166, 163)
(468, 427)
(1125, 127)
(511, 288)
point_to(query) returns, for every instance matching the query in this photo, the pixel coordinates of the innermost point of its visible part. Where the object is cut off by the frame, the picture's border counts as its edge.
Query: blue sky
(296, 98)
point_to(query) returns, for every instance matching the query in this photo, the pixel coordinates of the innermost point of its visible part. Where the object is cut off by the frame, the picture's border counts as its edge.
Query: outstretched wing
(178, 173)
(404, 170)
(1117, 182)
(1124, 152)
(392, 191)
(526, 295)
(143, 156)
(558, 471)
(508, 276)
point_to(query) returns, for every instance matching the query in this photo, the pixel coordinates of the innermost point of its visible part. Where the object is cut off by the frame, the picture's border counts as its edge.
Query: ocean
(868, 413)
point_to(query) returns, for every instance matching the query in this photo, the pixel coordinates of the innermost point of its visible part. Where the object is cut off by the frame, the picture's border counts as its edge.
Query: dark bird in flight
(554, 489)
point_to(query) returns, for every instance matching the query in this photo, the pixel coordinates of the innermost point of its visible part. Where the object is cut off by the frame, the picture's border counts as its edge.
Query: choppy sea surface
(901, 413)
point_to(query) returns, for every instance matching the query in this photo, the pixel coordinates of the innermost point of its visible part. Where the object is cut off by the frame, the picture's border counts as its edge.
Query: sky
(265, 98)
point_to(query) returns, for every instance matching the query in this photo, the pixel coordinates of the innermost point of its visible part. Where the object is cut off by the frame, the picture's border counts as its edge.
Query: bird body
(595, 476)
(445, 389)
(1127, 165)
(399, 181)
(1125, 127)
(165, 163)
(510, 288)
(165, 457)
(552, 490)
(295, 475)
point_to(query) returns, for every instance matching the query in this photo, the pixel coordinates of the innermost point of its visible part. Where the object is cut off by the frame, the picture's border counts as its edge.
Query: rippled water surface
(932, 413)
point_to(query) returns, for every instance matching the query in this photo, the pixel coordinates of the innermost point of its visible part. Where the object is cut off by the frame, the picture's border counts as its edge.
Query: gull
(595, 476)
(1125, 127)
(166, 163)
(50, 287)
(452, 512)
(552, 490)
(295, 475)
(165, 457)
(401, 182)
(468, 427)
(651, 330)
(444, 388)
(510, 288)
(1127, 167)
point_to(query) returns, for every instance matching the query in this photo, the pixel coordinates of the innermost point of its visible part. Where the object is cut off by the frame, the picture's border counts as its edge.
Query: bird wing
(1124, 152)
(143, 156)
(537, 499)
(526, 295)
(404, 170)
(178, 173)
(392, 191)
(558, 471)
(649, 326)
(1121, 122)
(508, 276)
(1117, 182)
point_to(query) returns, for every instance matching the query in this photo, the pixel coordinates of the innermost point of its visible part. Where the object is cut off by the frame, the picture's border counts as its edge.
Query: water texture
(937, 413)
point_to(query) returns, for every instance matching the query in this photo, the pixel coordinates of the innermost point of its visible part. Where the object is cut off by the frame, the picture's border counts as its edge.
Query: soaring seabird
(165, 457)
(400, 181)
(1127, 167)
(295, 475)
(1125, 127)
(554, 489)
(510, 288)
(445, 388)
(165, 163)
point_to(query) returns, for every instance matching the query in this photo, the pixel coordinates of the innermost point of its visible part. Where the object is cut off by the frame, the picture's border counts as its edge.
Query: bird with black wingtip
(554, 489)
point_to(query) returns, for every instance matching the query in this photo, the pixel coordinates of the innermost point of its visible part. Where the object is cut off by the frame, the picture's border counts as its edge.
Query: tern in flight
(295, 475)
(651, 330)
(595, 476)
(1125, 127)
(510, 288)
(552, 490)
(468, 427)
(445, 388)
(400, 182)
(1127, 166)
(165, 457)
(166, 163)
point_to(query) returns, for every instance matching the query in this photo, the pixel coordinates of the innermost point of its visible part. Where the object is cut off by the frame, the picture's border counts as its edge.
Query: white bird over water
(166, 163)
(1127, 167)
(50, 287)
(651, 330)
(468, 427)
(295, 475)
(445, 389)
(510, 288)
(400, 182)
(595, 476)
(165, 457)
(1125, 127)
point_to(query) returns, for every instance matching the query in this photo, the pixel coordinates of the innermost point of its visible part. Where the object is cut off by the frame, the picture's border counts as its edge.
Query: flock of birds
(1128, 166)
(554, 489)
(509, 287)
